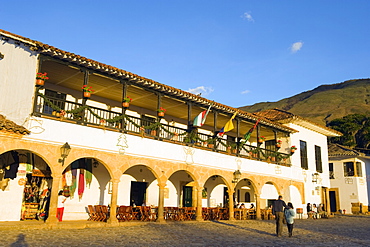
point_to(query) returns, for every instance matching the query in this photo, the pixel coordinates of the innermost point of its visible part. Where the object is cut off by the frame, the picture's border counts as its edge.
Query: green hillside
(324, 103)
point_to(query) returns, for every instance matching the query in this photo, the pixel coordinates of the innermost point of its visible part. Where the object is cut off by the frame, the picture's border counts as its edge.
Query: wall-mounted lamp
(64, 152)
(95, 164)
(237, 174)
(315, 177)
(1, 55)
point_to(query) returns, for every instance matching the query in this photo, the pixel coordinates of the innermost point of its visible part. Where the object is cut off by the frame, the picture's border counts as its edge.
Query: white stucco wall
(350, 189)
(18, 71)
(312, 138)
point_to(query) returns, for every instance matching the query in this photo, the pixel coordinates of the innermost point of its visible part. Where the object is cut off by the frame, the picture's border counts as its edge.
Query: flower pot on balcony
(260, 140)
(161, 114)
(153, 132)
(292, 151)
(211, 145)
(278, 145)
(40, 82)
(228, 150)
(87, 94)
(125, 104)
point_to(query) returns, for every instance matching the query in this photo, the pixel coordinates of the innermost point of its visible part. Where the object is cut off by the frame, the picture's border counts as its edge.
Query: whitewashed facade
(111, 160)
(349, 183)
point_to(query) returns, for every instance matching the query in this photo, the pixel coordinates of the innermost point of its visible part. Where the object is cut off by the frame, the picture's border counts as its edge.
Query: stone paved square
(338, 231)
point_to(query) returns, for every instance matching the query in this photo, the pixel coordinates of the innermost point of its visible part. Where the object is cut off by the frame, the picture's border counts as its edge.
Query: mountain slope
(324, 103)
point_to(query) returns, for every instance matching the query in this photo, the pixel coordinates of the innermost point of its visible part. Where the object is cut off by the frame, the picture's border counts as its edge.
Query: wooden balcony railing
(88, 115)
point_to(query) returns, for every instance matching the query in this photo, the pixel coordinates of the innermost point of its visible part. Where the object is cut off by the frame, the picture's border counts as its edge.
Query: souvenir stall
(25, 181)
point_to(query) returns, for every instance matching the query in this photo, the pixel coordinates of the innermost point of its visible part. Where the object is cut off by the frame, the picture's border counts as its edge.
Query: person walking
(277, 210)
(60, 209)
(289, 216)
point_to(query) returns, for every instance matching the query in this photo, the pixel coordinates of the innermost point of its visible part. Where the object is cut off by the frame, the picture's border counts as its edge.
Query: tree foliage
(355, 129)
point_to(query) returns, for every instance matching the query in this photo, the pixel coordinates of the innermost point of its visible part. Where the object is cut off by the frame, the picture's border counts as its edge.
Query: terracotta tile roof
(148, 83)
(339, 150)
(284, 117)
(10, 126)
(276, 114)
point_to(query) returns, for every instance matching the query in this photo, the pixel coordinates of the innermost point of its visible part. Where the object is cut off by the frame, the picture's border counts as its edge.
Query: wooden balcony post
(124, 94)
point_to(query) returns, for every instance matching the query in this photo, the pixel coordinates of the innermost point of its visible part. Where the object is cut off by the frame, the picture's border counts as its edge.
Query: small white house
(349, 180)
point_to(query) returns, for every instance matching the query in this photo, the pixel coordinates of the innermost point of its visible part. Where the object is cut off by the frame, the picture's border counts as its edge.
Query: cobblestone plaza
(338, 231)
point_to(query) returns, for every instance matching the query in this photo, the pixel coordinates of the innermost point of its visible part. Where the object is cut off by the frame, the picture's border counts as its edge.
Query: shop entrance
(333, 201)
(26, 179)
(187, 196)
(138, 193)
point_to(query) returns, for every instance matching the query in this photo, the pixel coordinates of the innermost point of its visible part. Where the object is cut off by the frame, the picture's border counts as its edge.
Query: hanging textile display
(88, 172)
(68, 176)
(72, 188)
(12, 168)
(81, 183)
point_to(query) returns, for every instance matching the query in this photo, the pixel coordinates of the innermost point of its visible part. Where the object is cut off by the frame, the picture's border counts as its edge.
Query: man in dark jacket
(278, 210)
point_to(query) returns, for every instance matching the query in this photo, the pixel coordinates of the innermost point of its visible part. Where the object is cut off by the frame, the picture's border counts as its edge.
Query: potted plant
(87, 91)
(126, 101)
(292, 149)
(161, 111)
(234, 148)
(261, 139)
(278, 143)
(255, 153)
(210, 142)
(40, 78)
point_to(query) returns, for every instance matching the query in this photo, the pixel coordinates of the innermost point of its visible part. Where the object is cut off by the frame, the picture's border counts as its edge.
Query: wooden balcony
(82, 114)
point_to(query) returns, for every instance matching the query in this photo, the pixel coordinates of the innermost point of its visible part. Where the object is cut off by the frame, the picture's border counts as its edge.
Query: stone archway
(26, 182)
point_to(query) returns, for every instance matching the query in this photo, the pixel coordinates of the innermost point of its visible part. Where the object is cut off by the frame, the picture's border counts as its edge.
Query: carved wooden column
(231, 203)
(160, 217)
(52, 219)
(113, 202)
(198, 214)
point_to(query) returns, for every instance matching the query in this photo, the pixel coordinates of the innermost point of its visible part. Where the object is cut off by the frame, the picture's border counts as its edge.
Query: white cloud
(204, 91)
(245, 92)
(247, 16)
(296, 46)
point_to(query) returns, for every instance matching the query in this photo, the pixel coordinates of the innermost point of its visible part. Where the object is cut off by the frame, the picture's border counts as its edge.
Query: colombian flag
(228, 126)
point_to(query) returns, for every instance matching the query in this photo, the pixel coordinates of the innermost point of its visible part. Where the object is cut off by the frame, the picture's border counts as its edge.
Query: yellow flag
(229, 125)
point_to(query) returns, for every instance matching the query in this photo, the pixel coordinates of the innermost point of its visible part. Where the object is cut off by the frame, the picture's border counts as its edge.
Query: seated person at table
(252, 206)
(242, 205)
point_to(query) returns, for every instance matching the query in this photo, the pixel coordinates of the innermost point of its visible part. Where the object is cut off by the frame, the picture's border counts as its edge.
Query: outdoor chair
(92, 214)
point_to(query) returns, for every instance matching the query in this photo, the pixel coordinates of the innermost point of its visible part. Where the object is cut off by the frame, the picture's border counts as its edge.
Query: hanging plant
(87, 91)
(292, 149)
(278, 143)
(41, 78)
(126, 101)
(261, 139)
(161, 111)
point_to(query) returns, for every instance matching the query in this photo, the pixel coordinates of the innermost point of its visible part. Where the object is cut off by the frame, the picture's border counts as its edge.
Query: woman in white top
(60, 209)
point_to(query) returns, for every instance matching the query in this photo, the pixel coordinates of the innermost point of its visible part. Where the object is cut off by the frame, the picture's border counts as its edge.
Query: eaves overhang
(134, 79)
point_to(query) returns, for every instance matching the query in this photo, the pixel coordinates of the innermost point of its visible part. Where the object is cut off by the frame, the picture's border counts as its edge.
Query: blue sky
(234, 52)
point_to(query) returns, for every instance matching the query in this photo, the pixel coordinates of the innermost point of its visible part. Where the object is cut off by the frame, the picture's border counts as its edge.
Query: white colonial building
(130, 155)
(349, 184)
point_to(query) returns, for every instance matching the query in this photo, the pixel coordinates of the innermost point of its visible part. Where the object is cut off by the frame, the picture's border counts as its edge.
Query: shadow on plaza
(248, 228)
(21, 241)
